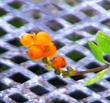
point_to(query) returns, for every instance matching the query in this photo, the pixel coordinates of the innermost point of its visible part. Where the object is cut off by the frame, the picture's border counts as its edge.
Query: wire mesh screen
(71, 23)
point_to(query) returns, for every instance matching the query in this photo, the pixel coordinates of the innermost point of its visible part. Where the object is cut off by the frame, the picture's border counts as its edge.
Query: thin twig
(92, 70)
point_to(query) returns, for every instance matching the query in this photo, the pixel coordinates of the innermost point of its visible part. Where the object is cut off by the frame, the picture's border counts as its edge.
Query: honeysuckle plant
(101, 50)
(40, 46)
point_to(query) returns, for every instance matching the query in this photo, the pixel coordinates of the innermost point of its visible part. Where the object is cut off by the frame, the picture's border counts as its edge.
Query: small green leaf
(97, 78)
(103, 41)
(72, 72)
(97, 52)
(64, 73)
(49, 67)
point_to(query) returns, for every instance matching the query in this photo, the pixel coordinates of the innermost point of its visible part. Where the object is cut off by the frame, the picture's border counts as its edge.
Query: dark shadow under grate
(18, 77)
(57, 82)
(39, 90)
(97, 88)
(18, 98)
(78, 95)
(37, 69)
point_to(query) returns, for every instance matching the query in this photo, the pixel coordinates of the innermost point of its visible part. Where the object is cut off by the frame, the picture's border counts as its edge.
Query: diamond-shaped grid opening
(97, 88)
(3, 87)
(54, 25)
(17, 22)
(3, 50)
(73, 2)
(86, 45)
(71, 19)
(105, 4)
(78, 77)
(19, 59)
(108, 97)
(97, 101)
(74, 36)
(1, 101)
(36, 14)
(106, 22)
(89, 12)
(75, 55)
(39, 90)
(57, 82)
(15, 4)
(92, 65)
(34, 30)
(90, 29)
(37, 69)
(3, 67)
(18, 98)
(57, 100)
(54, 9)
(77, 94)
(15, 42)
(108, 79)
(2, 12)
(58, 44)
(2, 32)
(18, 77)
(106, 58)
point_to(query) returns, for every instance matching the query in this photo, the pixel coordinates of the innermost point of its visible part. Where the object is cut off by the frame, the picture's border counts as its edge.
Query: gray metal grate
(71, 23)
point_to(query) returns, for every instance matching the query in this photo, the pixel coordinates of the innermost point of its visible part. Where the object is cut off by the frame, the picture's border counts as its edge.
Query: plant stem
(92, 70)
(73, 72)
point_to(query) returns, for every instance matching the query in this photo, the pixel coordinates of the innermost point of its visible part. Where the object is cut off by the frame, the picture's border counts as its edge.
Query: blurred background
(71, 23)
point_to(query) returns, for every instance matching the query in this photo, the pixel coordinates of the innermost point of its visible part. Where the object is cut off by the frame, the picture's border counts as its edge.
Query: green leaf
(97, 52)
(49, 67)
(98, 77)
(103, 41)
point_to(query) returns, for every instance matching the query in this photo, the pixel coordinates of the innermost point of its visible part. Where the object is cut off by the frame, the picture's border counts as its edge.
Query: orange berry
(42, 37)
(59, 62)
(35, 53)
(27, 40)
(49, 50)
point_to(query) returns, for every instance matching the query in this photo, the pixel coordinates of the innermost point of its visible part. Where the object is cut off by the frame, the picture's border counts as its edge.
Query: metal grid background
(24, 81)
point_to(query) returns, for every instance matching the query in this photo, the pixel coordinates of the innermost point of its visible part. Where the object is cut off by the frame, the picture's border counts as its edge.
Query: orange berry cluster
(41, 46)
